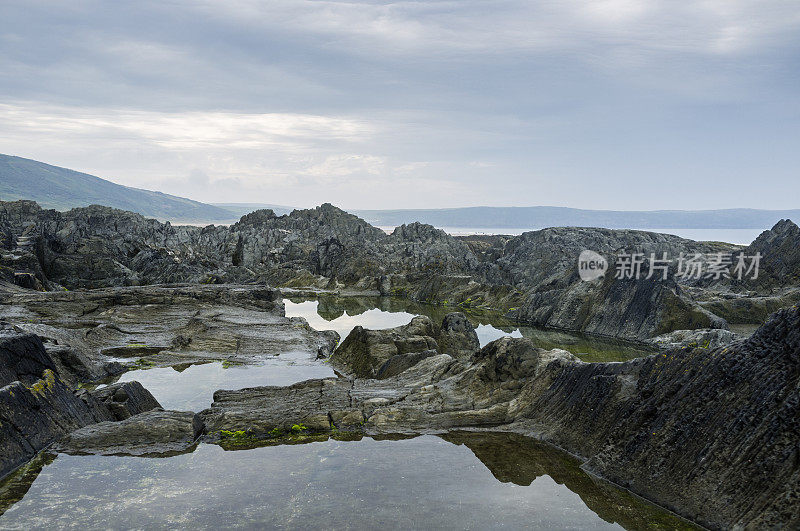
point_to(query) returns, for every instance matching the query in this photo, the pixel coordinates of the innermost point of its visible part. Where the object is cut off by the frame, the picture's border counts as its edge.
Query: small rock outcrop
(153, 433)
(125, 399)
(384, 353)
(39, 409)
(457, 336)
(364, 352)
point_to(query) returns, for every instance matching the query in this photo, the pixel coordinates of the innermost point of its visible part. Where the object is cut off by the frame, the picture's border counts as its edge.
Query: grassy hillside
(62, 189)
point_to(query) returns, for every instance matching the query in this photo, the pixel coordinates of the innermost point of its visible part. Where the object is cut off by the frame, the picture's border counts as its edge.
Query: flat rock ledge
(153, 433)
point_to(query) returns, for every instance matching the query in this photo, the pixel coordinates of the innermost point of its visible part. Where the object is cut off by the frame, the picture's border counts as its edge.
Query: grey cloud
(551, 98)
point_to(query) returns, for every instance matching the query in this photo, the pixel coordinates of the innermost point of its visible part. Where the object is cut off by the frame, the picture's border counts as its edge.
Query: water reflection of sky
(421, 483)
(400, 312)
(375, 319)
(192, 388)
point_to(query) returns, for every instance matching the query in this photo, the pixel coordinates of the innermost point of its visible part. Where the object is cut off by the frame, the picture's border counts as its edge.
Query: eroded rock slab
(153, 433)
(94, 334)
(263, 411)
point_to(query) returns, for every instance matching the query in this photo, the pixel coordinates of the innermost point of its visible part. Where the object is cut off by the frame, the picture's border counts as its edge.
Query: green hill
(62, 189)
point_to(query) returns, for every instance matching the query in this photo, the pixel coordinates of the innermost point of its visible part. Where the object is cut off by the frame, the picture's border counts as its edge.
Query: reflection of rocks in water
(15, 486)
(516, 459)
(153, 433)
(331, 308)
(589, 348)
(510, 458)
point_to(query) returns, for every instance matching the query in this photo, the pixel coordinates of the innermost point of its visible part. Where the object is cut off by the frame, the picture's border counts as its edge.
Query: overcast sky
(619, 104)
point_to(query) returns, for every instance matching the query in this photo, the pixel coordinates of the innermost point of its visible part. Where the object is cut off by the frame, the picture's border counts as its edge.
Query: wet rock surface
(153, 433)
(102, 332)
(709, 427)
(91, 335)
(687, 429)
(266, 411)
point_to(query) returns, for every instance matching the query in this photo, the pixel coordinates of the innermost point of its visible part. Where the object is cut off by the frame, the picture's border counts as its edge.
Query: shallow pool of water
(459, 481)
(192, 388)
(344, 313)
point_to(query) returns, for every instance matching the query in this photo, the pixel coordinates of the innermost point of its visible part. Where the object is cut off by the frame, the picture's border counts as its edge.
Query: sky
(607, 104)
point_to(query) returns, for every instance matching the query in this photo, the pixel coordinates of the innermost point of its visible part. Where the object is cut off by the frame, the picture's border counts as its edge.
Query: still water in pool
(458, 481)
(344, 313)
(192, 388)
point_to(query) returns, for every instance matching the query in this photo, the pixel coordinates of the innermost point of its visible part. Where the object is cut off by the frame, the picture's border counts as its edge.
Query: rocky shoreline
(532, 277)
(707, 428)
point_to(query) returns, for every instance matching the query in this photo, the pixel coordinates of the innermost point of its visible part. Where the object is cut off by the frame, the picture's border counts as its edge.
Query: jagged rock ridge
(532, 276)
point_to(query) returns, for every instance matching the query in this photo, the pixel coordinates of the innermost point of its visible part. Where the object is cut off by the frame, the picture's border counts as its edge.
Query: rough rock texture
(75, 367)
(38, 410)
(364, 352)
(125, 399)
(22, 358)
(703, 337)
(457, 336)
(154, 433)
(708, 432)
(97, 333)
(275, 410)
(32, 417)
(533, 276)
(384, 353)
(780, 251)
(711, 433)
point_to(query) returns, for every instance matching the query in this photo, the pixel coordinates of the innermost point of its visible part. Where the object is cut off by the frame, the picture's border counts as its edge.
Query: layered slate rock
(265, 411)
(780, 255)
(95, 334)
(75, 367)
(711, 433)
(708, 432)
(33, 417)
(153, 433)
(22, 358)
(533, 276)
(37, 411)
